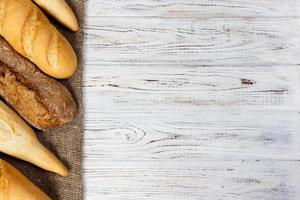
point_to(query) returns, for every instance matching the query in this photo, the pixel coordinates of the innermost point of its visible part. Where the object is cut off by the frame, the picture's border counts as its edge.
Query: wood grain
(141, 41)
(194, 100)
(210, 178)
(171, 88)
(194, 8)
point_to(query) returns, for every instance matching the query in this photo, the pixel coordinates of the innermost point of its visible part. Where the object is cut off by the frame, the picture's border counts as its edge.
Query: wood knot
(246, 81)
(134, 135)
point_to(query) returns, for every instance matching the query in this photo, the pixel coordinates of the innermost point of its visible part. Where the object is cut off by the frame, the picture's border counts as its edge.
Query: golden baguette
(31, 34)
(61, 11)
(15, 186)
(19, 140)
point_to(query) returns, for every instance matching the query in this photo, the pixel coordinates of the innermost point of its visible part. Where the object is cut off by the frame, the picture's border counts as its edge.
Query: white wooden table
(192, 99)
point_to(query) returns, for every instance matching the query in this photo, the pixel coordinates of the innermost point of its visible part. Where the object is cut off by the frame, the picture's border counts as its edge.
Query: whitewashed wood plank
(142, 41)
(206, 178)
(192, 133)
(173, 88)
(194, 8)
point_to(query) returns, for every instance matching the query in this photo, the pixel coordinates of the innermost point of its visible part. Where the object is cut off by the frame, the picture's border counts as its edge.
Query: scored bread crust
(15, 186)
(40, 100)
(31, 34)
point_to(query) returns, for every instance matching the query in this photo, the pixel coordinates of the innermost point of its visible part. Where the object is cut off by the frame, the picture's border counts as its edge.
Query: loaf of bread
(39, 99)
(31, 34)
(15, 186)
(61, 11)
(19, 140)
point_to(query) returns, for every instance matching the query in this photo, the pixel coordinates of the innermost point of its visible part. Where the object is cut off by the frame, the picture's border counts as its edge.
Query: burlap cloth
(66, 141)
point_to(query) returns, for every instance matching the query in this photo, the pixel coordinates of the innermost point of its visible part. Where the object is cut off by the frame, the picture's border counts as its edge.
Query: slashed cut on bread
(31, 34)
(41, 100)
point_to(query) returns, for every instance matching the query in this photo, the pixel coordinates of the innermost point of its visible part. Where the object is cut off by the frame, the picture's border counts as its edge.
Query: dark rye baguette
(42, 101)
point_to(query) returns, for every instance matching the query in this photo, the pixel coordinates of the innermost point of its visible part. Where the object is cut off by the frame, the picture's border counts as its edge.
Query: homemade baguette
(39, 99)
(15, 186)
(19, 140)
(31, 34)
(61, 11)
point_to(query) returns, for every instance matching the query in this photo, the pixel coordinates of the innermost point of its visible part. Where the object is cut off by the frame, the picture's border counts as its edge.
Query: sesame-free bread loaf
(41, 100)
(31, 34)
(17, 139)
(15, 186)
(61, 11)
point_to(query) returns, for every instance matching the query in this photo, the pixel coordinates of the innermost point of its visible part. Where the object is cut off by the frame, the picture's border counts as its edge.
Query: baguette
(19, 140)
(15, 186)
(61, 11)
(40, 100)
(31, 34)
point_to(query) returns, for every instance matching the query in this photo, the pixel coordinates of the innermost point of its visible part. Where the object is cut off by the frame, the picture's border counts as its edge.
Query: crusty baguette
(61, 11)
(39, 99)
(15, 186)
(31, 34)
(19, 140)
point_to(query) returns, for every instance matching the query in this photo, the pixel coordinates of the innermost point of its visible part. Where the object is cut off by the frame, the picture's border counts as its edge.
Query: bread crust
(39, 99)
(19, 140)
(15, 186)
(61, 11)
(30, 33)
